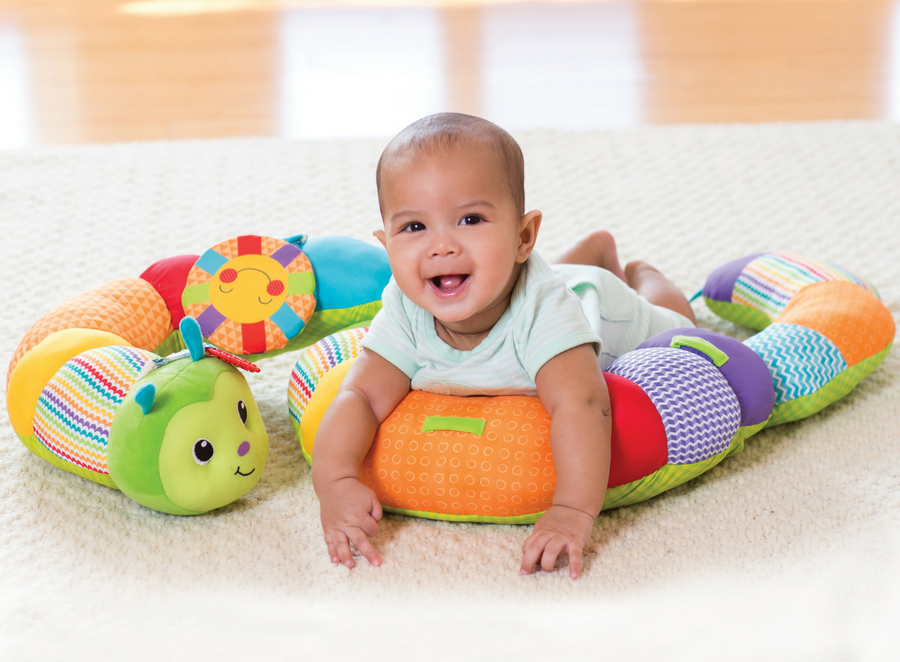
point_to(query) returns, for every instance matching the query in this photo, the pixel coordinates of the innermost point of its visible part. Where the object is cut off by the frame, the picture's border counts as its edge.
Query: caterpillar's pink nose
(244, 448)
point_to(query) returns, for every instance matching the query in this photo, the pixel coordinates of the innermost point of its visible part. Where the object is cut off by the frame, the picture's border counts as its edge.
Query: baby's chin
(461, 319)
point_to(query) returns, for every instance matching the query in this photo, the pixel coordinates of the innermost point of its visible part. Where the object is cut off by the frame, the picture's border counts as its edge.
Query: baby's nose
(444, 245)
(243, 449)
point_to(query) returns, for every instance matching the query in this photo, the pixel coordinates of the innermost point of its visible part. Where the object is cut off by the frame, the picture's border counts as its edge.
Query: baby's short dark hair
(443, 130)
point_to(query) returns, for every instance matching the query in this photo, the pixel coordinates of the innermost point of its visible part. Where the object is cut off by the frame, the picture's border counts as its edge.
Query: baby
(473, 310)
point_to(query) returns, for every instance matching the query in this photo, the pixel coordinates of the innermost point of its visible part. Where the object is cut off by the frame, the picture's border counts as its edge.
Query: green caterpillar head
(189, 438)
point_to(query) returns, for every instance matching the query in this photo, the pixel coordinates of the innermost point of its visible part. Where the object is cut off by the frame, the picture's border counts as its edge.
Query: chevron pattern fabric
(315, 362)
(699, 410)
(770, 281)
(76, 409)
(800, 360)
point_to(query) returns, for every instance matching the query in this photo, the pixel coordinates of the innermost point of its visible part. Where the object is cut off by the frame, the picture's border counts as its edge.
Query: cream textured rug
(789, 551)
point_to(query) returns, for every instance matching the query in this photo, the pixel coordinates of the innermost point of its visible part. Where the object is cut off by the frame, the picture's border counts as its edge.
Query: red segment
(249, 244)
(228, 276)
(254, 337)
(169, 277)
(275, 288)
(638, 435)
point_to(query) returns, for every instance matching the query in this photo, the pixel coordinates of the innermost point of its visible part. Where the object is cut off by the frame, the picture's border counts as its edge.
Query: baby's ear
(379, 235)
(529, 226)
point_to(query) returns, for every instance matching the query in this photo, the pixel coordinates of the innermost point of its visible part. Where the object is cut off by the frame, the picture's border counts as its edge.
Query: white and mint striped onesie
(552, 309)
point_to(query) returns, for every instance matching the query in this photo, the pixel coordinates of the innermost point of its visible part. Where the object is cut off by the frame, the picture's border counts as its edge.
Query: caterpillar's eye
(203, 451)
(242, 411)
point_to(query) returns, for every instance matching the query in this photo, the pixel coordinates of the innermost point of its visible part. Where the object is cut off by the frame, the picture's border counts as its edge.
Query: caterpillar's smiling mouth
(241, 473)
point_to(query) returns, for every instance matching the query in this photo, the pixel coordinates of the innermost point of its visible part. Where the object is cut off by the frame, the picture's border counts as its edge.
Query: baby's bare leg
(598, 249)
(657, 289)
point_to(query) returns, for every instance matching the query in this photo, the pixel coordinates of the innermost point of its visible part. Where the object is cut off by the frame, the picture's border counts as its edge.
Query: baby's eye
(415, 226)
(471, 219)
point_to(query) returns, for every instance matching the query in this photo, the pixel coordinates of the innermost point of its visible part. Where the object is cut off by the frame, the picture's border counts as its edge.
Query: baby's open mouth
(450, 282)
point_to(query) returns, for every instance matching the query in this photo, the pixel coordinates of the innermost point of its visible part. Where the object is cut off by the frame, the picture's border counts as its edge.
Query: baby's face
(452, 233)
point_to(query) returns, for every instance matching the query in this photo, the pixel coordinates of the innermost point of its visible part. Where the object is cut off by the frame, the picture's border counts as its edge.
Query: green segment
(739, 314)
(667, 477)
(33, 444)
(172, 343)
(484, 519)
(195, 294)
(302, 282)
(834, 390)
(719, 358)
(455, 423)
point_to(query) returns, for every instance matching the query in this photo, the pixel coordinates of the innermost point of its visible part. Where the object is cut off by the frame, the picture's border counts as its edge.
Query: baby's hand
(560, 529)
(350, 512)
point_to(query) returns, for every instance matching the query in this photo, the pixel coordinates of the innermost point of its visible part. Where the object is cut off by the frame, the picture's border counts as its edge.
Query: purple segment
(210, 320)
(720, 283)
(745, 371)
(286, 254)
(697, 406)
(244, 448)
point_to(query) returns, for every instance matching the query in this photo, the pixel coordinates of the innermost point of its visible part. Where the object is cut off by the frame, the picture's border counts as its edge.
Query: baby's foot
(598, 249)
(605, 246)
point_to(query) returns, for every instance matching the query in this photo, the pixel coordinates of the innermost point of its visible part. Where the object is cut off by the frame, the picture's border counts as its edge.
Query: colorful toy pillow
(88, 392)
(823, 329)
(682, 401)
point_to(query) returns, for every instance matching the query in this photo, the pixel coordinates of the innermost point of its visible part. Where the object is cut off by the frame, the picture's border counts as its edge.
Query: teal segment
(800, 360)
(288, 321)
(348, 272)
(211, 262)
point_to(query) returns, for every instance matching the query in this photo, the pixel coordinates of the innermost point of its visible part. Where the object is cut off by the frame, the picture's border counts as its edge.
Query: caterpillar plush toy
(182, 434)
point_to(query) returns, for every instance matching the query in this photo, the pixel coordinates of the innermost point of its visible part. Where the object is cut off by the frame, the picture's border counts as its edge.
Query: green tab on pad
(455, 423)
(716, 355)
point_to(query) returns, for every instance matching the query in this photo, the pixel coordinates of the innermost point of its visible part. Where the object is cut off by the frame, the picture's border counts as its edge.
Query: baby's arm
(349, 510)
(572, 389)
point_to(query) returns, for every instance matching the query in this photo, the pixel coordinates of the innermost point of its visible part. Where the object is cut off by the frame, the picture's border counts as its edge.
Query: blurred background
(97, 71)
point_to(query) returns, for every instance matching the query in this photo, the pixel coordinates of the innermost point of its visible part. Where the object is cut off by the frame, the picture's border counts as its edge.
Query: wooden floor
(79, 71)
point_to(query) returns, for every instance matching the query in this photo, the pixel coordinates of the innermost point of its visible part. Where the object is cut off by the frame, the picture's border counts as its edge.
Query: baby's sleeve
(391, 332)
(552, 321)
